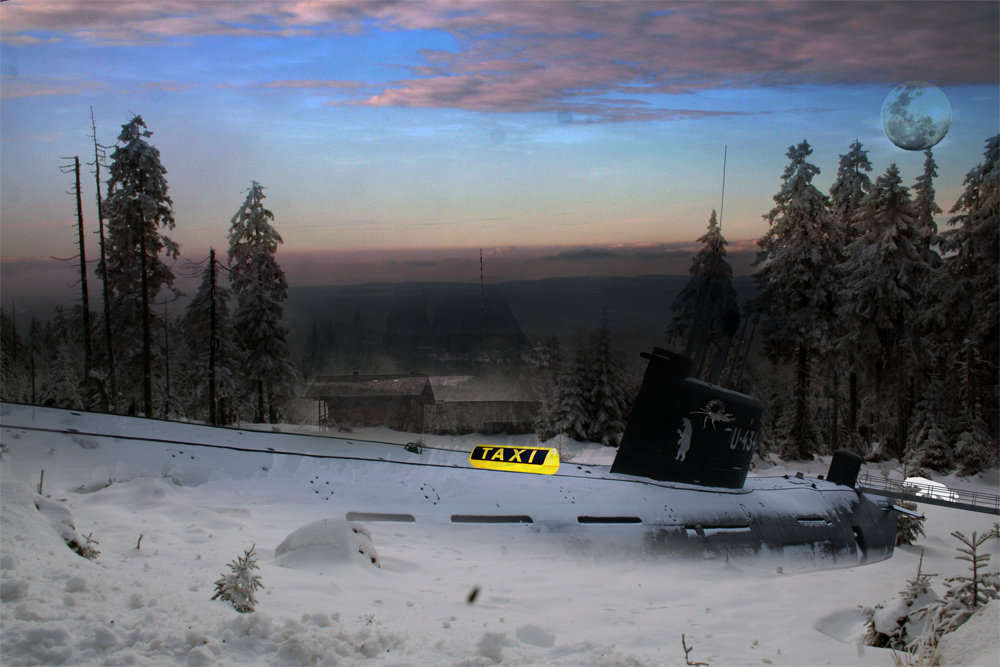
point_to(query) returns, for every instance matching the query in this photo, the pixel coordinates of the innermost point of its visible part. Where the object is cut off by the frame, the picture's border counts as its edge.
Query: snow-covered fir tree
(37, 351)
(886, 282)
(708, 265)
(549, 362)
(12, 373)
(212, 364)
(850, 187)
(260, 287)
(930, 430)
(318, 346)
(909, 528)
(136, 207)
(607, 381)
(976, 448)
(889, 625)
(525, 382)
(62, 381)
(240, 586)
(569, 410)
(970, 289)
(925, 208)
(966, 594)
(798, 280)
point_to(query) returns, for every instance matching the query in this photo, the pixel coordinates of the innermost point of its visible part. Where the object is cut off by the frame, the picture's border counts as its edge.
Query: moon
(916, 115)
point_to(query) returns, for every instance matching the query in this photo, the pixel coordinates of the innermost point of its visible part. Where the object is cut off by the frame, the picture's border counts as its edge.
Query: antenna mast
(698, 325)
(482, 301)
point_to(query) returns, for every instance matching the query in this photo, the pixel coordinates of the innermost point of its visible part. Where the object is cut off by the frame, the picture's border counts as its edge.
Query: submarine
(678, 485)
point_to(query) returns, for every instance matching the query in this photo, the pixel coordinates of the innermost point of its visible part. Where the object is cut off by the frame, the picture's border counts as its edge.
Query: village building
(394, 401)
(406, 402)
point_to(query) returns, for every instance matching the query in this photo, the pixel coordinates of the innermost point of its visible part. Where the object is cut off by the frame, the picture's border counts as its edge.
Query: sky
(396, 140)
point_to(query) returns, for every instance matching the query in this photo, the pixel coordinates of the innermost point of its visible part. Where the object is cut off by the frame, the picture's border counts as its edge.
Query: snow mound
(536, 636)
(31, 523)
(327, 541)
(976, 642)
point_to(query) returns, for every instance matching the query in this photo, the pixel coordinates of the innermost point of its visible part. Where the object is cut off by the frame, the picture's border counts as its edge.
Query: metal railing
(974, 501)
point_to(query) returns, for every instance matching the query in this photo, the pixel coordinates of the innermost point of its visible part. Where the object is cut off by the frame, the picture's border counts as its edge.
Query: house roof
(327, 386)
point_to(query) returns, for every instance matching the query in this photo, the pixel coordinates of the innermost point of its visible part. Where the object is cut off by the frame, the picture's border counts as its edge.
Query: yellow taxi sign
(538, 460)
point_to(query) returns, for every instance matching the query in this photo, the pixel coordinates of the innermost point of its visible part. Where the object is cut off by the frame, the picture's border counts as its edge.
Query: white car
(930, 489)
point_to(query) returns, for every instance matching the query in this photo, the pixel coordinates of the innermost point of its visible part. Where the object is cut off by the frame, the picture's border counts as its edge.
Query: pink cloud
(13, 88)
(551, 56)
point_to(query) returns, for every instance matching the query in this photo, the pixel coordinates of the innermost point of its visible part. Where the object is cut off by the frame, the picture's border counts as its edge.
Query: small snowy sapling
(239, 586)
(887, 625)
(909, 528)
(966, 593)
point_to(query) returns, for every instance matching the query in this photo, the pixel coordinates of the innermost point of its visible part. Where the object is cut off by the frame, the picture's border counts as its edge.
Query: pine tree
(136, 207)
(846, 194)
(607, 381)
(260, 287)
(850, 187)
(550, 360)
(967, 593)
(799, 283)
(525, 382)
(240, 585)
(883, 296)
(924, 209)
(708, 265)
(909, 528)
(976, 449)
(930, 431)
(211, 367)
(970, 290)
(569, 413)
(888, 624)
(62, 383)
(11, 371)
(37, 351)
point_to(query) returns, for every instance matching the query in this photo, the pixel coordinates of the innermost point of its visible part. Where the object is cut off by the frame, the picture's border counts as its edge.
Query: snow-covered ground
(577, 598)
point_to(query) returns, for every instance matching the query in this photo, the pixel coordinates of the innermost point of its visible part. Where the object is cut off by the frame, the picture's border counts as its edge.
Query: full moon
(916, 115)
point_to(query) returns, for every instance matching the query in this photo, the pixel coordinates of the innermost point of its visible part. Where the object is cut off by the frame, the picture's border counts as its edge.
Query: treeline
(588, 396)
(881, 328)
(224, 359)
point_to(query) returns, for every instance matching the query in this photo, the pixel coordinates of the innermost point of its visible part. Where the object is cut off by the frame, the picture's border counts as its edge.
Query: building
(394, 401)
(407, 403)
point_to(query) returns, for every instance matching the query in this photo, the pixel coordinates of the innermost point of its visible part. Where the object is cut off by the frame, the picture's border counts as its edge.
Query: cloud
(585, 253)
(311, 83)
(594, 60)
(661, 253)
(12, 88)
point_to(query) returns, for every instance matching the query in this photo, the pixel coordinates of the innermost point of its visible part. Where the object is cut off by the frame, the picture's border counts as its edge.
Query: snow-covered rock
(976, 642)
(328, 541)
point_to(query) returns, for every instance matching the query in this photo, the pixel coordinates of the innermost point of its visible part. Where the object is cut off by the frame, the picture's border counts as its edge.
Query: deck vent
(378, 516)
(490, 518)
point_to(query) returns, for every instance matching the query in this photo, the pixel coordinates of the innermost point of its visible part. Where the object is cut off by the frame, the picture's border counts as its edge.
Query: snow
(592, 596)
(977, 642)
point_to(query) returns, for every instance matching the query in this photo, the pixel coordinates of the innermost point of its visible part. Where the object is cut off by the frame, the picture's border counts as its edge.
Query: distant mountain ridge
(552, 306)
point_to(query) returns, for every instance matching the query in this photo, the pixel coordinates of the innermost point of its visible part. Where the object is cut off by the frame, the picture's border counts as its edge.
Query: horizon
(394, 142)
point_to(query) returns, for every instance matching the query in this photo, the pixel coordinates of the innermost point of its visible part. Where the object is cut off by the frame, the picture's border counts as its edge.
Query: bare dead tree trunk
(85, 294)
(852, 404)
(970, 381)
(166, 349)
(835, 417)
(272, 410)
(109, 337)
(260, 402)
(801, 403)
(147, 353)
(212, 344)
